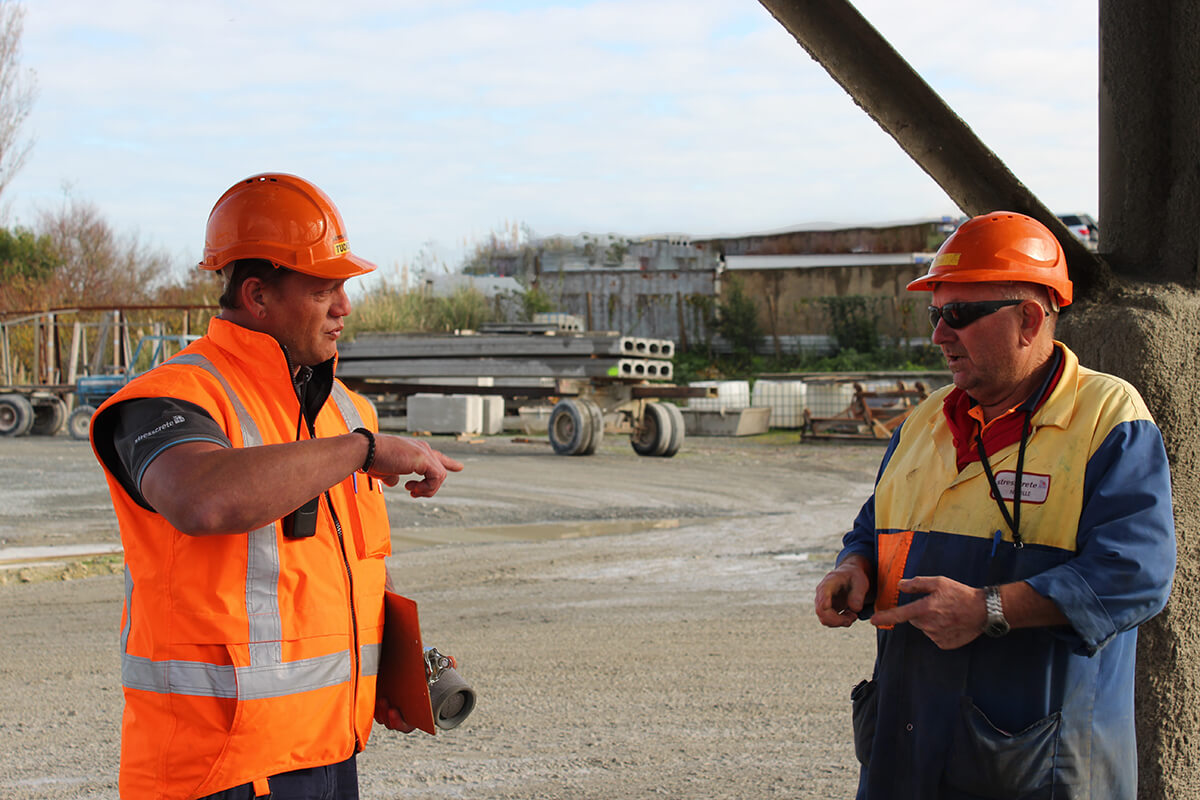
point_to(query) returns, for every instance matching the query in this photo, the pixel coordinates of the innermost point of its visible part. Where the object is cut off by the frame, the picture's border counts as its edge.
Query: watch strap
(996, 624)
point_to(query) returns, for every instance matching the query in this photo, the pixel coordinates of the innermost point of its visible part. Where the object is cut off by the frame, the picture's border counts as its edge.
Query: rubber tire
(16, 415)
(570, 427)
(678, 429)
(597, 415)
(655, 435)
(79, 422)
(48, 417)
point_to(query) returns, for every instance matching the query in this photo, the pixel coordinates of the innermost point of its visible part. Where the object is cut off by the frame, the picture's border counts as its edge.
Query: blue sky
(432, 124)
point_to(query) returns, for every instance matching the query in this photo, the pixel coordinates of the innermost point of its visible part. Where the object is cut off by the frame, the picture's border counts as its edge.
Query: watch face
(996, 628)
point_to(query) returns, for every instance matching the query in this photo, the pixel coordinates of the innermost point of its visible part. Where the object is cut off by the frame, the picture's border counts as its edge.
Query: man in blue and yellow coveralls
(1007, 618)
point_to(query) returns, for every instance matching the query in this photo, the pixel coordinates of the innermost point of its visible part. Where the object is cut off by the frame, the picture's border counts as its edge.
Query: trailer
(57, 365)
(600, 382)
(583, 411)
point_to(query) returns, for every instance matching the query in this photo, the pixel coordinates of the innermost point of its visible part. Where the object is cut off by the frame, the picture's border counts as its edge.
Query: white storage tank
(786, 399)
(730, 395)
(828, 399)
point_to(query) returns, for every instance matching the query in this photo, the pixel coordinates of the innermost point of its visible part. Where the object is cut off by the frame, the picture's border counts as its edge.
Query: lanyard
(1014, 519)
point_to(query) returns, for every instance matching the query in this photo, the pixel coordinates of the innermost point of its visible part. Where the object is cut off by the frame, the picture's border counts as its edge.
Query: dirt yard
(634, 627)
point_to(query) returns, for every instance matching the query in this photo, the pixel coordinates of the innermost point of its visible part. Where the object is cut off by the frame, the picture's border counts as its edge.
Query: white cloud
(440, 122)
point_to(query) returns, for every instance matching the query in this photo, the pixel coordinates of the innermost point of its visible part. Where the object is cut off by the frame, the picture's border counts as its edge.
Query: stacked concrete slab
(507, 358)
(537, 353)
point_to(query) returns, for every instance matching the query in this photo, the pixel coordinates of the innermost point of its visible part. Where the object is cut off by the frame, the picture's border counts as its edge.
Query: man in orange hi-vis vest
(1019, 533)
(247, 481)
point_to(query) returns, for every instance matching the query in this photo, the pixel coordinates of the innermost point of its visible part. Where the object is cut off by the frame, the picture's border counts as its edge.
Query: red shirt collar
(1001, 431)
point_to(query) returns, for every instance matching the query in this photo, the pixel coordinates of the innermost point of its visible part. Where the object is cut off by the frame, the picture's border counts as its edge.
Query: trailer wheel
(79, 422)
(570, 427)
(653, 436)
(16, 415)
(677, 430)
(48, 417)
(597, 418)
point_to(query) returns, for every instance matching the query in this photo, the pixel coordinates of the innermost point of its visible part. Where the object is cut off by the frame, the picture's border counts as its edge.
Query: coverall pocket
(865, 711)
(988, 762)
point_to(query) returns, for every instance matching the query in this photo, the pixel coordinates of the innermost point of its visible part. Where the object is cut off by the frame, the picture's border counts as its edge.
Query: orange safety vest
(247, 655)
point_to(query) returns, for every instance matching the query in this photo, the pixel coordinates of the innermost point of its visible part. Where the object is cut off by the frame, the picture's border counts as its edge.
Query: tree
(17, 92)
(96, 267)
(26, 255)
(194, 287)
(27, 264)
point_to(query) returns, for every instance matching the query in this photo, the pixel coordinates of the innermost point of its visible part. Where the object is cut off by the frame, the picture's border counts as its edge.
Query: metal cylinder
(452, 699)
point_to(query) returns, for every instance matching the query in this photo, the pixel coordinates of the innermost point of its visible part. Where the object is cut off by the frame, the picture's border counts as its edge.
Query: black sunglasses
(960, 315)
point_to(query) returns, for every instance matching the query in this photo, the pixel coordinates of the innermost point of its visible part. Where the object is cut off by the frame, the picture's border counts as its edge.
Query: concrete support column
(1149, 331)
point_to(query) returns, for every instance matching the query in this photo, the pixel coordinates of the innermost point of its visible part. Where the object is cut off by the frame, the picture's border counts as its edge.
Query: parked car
(1084, 228)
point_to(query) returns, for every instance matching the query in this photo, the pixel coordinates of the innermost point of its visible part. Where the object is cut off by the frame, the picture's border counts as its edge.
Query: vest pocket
(988, 762)
(368, 518)
(864, 705)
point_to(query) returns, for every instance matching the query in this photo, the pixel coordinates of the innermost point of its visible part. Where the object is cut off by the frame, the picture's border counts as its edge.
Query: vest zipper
(354, 654)
(355, 659)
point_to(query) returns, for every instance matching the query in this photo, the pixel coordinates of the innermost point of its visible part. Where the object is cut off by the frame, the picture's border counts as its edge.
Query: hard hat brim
(341, 268)
(927, 283)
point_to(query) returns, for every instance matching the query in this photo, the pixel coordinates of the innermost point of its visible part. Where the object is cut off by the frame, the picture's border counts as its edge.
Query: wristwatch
(996, 624)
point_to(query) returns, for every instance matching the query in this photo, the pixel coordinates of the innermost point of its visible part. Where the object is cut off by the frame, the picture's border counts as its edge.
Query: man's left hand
(951, 614)
(390, 717)
(401, 455)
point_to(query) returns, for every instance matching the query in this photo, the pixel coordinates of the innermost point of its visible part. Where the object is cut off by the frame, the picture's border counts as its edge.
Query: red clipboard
(402, 663)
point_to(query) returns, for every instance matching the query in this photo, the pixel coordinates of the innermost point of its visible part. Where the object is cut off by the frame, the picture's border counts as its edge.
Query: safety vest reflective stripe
(250, 435)
(368, 654)
(243, 683)
(341, 399)
(267, 675)
(368, 658)
(246, 683)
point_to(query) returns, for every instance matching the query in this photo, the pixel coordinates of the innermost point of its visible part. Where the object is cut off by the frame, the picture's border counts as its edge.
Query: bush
(465, 309)
(535, 301)
(390, 308)
(696, 365)
(737, 321)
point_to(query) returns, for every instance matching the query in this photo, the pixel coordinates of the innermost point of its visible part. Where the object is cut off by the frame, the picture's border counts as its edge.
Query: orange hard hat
(1000, 247)
(285, 220)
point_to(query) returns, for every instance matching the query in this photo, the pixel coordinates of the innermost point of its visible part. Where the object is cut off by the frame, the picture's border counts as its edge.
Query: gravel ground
(634, 627)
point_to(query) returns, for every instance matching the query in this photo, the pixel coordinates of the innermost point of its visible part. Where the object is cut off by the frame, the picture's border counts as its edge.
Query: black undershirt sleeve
(130, 435)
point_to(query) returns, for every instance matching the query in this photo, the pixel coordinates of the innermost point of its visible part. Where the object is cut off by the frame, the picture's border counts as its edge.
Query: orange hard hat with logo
(1000, 247)
(285, 220)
